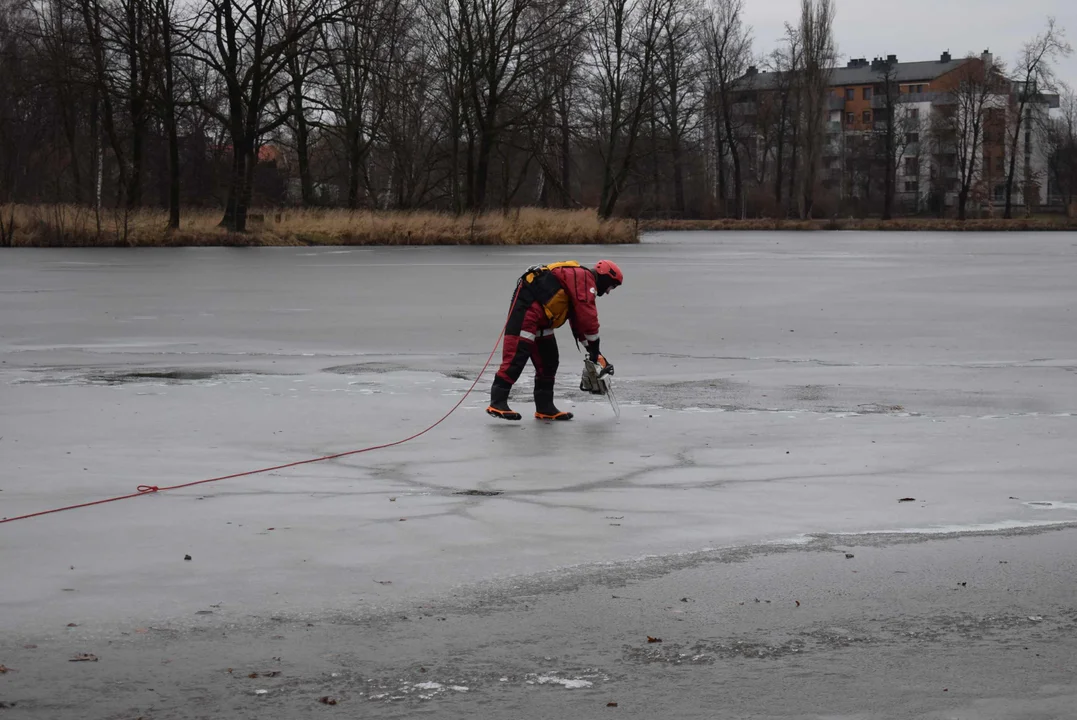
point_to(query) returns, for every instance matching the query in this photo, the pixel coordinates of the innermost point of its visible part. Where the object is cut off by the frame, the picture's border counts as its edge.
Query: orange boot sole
(503, 414)
(558, 416)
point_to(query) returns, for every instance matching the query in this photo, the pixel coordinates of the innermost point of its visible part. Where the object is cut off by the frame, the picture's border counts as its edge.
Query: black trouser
(528, 337)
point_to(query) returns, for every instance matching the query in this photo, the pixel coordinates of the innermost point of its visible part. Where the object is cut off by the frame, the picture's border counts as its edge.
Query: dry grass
(70, 226)
(899, 224)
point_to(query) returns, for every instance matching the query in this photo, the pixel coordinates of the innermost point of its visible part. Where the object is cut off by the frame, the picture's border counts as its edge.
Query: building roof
(905, 72)
(861, 72)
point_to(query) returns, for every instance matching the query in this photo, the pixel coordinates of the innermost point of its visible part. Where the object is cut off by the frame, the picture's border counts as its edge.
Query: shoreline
(1052, 224)
(47, 226)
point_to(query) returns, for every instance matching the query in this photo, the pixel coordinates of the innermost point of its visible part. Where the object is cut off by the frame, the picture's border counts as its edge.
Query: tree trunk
(608, 198)
(678, 173)
(794, 161)
(136, 103)
(302, 135)
(469, 170)
(246, 190)
(239, 190)
(95, 156)
(888, 181)
(719, 140)
(1013, 160)
(482, 168)
(173, 131)
(779, 158)
(161, 19)
(306, 184)
(138, 136)
(354, 169)
(738, 185)
(610, 202)
(566, 156)
(173, 171)
(604, 204)
(229, 220)
(455, 128)
(656, 182)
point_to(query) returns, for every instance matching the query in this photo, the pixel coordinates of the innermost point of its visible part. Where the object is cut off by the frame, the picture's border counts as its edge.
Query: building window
(910, 186)
(867, 116)
(912, 166)
(850, 94)
(867, 93)
(914, 114)
(912, 138)
(850, 118)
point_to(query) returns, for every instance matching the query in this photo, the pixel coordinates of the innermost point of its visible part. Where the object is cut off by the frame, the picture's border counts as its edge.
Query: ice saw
(598, 380)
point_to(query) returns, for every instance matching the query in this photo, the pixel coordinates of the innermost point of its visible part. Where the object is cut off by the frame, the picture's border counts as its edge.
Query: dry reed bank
(69, 226)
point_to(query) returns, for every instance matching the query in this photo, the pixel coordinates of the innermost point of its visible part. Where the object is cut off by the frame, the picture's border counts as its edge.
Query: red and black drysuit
(547, 297)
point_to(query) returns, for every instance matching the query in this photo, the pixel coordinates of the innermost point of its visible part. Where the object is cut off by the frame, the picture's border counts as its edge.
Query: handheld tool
(597, 379)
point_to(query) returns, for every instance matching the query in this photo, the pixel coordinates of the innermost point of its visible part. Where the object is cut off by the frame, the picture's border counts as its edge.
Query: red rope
(151, 489)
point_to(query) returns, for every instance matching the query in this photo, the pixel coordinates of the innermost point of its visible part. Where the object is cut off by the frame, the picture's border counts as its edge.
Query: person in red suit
(546, 297)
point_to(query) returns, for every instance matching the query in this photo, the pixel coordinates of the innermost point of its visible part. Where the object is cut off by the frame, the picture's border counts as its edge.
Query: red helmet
(610, 271)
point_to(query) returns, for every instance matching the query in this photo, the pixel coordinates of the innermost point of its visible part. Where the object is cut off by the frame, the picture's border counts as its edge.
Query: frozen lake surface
(779, 392)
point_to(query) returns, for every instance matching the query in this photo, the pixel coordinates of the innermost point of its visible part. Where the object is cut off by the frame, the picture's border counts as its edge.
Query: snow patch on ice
(567, 683)
(1051, 505)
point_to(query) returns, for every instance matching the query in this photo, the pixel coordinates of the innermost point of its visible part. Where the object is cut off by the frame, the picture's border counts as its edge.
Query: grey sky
(922, 29)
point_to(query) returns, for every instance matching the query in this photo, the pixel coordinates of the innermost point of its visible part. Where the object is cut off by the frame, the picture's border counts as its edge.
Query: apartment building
(921, 93)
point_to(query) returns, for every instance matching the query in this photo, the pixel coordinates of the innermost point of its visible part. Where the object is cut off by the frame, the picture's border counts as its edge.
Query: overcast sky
(923, 29)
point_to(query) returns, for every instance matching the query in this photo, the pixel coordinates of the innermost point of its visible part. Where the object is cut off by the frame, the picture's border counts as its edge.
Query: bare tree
(510, 44)
(119, 40)
(727, 47)
(15, 102)
(1035, 67)
(819, 54)
(163, 17)
(624, 40)
(1062, 149)
(678, 95)
(543, 135)
(299, 68)
(785, 63)
(360, 53)
(64, 71)
(958, 126)
(567, 70)
(910, 144)
(248, 45)
(889, 90)
(136, 44)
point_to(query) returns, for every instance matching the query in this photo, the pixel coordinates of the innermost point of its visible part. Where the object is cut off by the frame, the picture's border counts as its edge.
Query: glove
(606, 365)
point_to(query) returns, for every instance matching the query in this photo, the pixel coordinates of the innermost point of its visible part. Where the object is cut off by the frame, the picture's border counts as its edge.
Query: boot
(499, 401)
(544, 407)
